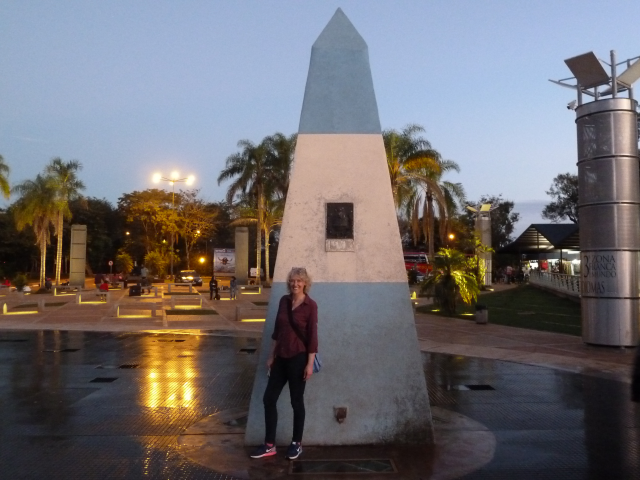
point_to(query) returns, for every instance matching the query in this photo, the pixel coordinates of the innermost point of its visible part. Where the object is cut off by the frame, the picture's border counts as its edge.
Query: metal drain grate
(104, 380)
(62, 350)
(247, 351)
(13, 339)
(467, 387)
(129, 365)
(341, 467)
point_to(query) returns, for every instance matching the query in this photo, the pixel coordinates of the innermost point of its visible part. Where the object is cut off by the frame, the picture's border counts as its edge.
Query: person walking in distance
(233, 285)
(290, 360)
(213, 288)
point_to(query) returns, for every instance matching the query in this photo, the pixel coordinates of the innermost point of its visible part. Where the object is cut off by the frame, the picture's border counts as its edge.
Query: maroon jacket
(305, 317)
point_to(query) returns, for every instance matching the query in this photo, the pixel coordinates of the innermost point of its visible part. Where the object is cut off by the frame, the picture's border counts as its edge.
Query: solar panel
(588, 70)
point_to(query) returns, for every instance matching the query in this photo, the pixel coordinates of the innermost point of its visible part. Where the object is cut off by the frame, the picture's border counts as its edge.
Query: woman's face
(296, 284)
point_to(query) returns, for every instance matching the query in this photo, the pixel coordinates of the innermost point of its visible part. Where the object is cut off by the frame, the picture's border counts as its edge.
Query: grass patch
(192, 311)
(525, 307)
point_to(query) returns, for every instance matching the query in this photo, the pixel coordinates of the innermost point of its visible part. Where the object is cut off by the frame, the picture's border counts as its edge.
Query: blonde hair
(302, 273)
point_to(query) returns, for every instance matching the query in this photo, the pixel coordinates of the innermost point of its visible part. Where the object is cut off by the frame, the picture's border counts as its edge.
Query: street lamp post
(173, 179)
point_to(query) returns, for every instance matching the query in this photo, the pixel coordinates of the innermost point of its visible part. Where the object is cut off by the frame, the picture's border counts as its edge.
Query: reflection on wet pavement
(57, 421)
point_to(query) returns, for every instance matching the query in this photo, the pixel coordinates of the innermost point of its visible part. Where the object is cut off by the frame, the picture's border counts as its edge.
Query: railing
(567, 284)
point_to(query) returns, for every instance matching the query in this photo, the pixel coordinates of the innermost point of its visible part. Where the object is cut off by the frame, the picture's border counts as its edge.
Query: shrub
(20, 281)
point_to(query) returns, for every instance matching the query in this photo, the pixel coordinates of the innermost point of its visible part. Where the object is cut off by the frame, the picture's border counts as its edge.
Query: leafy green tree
(158, 259)
(67, 186)
(18, 250)
(450, 278)
(37, 208)
(5, 188)
(195, 219)
(124, 262)
(564, 191)
(148, 216)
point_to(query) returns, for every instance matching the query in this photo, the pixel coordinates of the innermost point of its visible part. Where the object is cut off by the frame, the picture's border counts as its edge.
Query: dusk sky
(131, 88)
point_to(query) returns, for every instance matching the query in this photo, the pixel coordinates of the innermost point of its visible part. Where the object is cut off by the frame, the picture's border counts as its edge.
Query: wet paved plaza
(112, 405)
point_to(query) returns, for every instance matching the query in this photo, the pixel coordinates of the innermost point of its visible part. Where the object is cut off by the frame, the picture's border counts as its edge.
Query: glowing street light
(173, 178)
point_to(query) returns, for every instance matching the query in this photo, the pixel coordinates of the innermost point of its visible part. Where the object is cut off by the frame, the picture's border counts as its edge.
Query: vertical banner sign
(224, 261)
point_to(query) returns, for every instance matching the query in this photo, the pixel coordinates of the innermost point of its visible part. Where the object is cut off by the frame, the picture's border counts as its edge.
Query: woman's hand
(308, 371)
(269, 362)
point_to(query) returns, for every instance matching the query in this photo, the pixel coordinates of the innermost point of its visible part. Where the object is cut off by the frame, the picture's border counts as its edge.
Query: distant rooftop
(545, 237)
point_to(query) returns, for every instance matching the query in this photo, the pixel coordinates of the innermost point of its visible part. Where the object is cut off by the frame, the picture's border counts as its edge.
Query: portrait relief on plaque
(339, 227)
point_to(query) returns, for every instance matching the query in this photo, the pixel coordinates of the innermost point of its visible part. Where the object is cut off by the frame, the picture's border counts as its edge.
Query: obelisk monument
(340, 224)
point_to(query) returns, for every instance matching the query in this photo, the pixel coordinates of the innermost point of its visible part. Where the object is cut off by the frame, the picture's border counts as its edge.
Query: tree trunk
(431, 221)
(43, 260)
(59, 249)
(266, 257)
(186, 247)
(415, 222)
(259, 238)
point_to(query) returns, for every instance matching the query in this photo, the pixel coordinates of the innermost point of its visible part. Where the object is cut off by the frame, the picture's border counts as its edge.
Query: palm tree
(251, 170)
(445, 196)
(271, 218)
(403, 148)
(280, 150)
(4, 181)
(67, 187)
(37, 208)
(451, 277)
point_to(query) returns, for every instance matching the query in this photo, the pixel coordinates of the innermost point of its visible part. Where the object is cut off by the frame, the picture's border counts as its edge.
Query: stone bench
(191, 301)
(102, 296)
(63, 288)
(39, 307)
(152, 307)
(245, 313)
(147, 295)
(190, 285)
(249, 289)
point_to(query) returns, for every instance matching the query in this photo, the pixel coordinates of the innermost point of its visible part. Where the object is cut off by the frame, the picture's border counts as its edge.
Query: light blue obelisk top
(339, 96)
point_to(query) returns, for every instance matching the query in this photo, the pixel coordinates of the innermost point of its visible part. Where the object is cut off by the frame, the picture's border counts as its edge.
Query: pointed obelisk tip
(340, 33)
(339, 96)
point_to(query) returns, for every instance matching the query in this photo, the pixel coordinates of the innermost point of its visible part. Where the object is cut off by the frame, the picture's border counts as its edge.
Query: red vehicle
(417, 260)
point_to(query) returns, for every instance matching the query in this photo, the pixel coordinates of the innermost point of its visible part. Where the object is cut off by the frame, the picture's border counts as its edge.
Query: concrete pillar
(340, 224)
(242, 255)
(609, 212)
(78, 255)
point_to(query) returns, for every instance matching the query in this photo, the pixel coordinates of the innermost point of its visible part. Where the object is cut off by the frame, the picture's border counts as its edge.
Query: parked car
(417, 261)
(190, 276)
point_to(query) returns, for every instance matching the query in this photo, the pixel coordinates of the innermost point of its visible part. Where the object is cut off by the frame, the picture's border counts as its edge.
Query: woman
(293, 350)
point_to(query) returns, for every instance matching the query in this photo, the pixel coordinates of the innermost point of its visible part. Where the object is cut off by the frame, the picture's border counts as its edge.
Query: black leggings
(285, 370)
